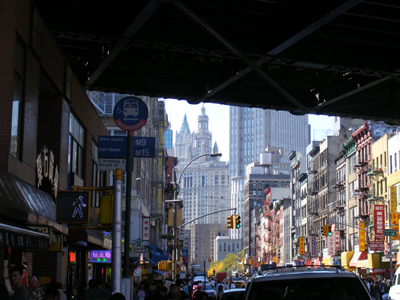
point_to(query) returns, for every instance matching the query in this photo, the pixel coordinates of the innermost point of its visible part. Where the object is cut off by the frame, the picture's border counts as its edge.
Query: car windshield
(209, 287)
(341, 288)
(237, 278)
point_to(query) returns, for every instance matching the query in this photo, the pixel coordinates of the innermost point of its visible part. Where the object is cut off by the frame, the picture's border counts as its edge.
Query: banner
(313, 250)
(301, 245)
(379, 222)
(362, 236)
(393, 199)
(146, 229)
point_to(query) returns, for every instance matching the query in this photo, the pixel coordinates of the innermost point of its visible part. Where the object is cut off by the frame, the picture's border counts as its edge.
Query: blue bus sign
(130, 114)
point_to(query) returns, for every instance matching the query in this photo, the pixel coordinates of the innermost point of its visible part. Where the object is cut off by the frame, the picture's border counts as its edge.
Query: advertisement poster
(393, 199)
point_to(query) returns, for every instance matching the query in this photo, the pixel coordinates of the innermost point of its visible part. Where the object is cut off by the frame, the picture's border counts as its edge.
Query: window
(76, 146)
(98, 177)
(18, 90)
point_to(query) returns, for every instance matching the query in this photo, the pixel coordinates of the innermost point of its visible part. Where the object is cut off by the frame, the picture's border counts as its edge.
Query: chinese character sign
(362, 236)
(393, 199)
(313, 250)
(301, 245)
(146, 229)
(379, 221)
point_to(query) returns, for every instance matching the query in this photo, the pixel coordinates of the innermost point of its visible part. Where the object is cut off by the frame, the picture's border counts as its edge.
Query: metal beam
(291, 41)
(348, 94)
(237, 53)
(133, 28)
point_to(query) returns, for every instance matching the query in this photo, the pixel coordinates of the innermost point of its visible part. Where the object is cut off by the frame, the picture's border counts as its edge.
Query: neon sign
(72, 257)
(100, 256)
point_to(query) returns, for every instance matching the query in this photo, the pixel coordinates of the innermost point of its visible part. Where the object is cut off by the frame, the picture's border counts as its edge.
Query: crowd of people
(379, 289)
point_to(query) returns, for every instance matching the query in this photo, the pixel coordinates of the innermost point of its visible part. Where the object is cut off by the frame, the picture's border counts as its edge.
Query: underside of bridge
(331, 57)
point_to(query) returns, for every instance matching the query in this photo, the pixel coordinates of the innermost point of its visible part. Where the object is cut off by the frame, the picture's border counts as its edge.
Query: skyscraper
(251, 130)
(204, 185)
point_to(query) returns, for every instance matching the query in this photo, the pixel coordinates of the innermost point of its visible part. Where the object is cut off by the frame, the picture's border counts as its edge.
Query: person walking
(141, 293)
(17, 279)
(220, 292)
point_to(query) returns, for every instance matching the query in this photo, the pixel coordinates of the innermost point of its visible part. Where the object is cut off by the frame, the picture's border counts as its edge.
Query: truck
(221, 276)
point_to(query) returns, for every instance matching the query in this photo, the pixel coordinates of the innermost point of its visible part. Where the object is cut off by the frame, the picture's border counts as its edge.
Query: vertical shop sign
(362, 236)
(393, 198)
(301, 245)
(337, 240)
(146, 229)
(379, 220)
(313, 246)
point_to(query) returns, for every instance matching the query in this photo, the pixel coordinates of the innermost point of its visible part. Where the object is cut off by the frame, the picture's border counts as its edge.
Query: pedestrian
(151, 293)
(162, 293)
(57, 286)
(52, 294)
(174, 293)
(141, 293)
(196, 292)
(117, 296)
(17, 279)
(202, 296)
(220, 292)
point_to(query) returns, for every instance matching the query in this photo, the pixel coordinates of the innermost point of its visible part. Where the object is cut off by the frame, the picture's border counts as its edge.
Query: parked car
(201, 279)
(234, 294)
(307, 283)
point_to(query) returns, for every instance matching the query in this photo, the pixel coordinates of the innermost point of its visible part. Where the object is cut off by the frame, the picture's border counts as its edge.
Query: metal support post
(128, 198)
(116, 233)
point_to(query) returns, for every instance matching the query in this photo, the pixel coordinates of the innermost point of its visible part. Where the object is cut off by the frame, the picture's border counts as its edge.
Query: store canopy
(27, 204)
(356, 257)
(363, 264)
(159, 272)
(157, 254)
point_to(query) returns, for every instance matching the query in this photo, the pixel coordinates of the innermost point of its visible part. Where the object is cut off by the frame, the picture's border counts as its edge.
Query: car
(212, 294)
(238, 282)
(201, 279)
(306, 282)
(234, 294)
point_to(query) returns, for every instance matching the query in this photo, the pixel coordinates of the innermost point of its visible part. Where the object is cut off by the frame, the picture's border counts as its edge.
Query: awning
(86, 235)
(363, 264)
(19, 237)
(346, 258)
(26, 203)
(356, 257)
(159, 272)
(157, 254)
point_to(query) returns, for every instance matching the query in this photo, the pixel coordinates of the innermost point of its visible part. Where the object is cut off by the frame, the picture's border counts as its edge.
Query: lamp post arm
(180, 176)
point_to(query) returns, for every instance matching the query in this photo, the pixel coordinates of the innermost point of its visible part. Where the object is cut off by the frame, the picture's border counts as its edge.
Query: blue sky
(219, 122)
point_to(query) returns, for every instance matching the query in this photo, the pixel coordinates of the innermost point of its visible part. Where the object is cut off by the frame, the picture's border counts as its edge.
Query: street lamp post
(175, 251)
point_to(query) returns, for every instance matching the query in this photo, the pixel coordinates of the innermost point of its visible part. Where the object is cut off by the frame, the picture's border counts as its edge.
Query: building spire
(185, 125)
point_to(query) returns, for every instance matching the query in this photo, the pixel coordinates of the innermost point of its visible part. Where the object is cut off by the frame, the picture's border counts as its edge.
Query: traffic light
(236, 222)
(229, 221)
(327, 230)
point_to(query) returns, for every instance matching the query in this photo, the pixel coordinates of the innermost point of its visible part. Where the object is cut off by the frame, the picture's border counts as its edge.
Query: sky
(218, 116)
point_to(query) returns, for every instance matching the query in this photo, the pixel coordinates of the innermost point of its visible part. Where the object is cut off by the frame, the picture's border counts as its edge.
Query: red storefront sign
(379, 222)
(376, 246)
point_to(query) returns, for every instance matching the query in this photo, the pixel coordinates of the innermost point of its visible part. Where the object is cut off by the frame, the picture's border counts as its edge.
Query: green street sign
(390, 232)
(167, 236)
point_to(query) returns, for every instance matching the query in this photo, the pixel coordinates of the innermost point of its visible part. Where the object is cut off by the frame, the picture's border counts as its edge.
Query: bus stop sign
(130, 114)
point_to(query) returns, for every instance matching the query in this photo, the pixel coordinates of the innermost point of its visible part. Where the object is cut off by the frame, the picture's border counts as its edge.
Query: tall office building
(251, 130)
(204, 184)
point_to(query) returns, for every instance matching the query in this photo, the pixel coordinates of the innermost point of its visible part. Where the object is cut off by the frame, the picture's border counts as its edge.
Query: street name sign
(390, 232)
(138, 250)
(112, 146)
(390, 255)
(110, 164)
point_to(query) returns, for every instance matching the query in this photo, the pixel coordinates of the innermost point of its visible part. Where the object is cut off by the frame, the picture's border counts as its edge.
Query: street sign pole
(116, 238)
(129, 168)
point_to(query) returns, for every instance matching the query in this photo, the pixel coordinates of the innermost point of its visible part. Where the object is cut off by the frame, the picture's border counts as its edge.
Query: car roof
(313, 273)
(234, 290)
